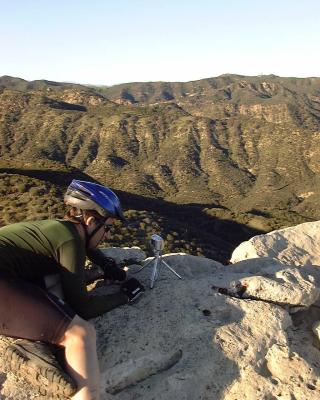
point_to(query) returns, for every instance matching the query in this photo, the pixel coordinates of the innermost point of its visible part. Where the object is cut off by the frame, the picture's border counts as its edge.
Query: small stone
(311, 387)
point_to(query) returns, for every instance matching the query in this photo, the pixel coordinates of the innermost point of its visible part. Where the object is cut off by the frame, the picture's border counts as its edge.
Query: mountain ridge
(242, 145)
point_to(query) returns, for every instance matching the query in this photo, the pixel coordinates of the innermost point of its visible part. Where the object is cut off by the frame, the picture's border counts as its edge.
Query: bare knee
(79, 332)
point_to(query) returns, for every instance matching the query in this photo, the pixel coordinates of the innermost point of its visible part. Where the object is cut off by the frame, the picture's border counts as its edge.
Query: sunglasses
(107, 227)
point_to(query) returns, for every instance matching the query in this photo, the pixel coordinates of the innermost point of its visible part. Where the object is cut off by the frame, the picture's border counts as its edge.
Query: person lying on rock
(31, 250)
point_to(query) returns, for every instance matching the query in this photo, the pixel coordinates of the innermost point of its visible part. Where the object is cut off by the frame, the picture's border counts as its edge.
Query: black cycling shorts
(29, 312)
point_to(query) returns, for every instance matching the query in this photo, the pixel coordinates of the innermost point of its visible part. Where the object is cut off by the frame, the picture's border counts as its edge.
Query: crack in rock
(131, 372)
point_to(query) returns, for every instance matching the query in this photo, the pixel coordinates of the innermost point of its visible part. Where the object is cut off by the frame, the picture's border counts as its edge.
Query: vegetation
(184, 228)
(205, 163)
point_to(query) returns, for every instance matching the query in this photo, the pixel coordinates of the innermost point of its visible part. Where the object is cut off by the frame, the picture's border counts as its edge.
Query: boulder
(297, 245)
(269, 280)
(212, 332)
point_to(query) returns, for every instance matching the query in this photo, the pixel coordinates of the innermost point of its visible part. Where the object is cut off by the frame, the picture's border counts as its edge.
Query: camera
(157, 245)
(156, 242)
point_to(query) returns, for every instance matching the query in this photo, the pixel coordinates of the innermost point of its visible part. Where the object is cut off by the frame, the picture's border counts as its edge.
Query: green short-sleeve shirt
(31, 250)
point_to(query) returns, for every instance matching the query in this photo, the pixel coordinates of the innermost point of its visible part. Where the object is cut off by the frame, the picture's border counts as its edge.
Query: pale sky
(109, 42)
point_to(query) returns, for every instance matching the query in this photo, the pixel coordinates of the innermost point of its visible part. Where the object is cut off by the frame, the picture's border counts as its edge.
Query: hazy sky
(109, 42)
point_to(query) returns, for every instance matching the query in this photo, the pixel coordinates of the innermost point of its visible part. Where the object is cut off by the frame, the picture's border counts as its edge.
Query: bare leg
(81, 356)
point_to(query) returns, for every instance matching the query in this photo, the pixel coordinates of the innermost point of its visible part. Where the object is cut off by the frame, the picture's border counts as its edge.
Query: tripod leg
(145, 265)
(154, 272)
(171, 269)
(159, 267)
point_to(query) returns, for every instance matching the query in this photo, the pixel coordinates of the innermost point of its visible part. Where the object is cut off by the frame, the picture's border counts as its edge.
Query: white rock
(285, 287)
(269, 280)
(289, 367)
(298, 245)
(216, 345)
(135, 370)
(225, 342)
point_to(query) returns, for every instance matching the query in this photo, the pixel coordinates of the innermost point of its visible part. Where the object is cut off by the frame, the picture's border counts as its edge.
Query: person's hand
(133, 289)
(111, 271)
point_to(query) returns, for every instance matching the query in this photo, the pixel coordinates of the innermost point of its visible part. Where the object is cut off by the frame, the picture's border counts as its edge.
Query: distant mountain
(9, 82)
(246, 148)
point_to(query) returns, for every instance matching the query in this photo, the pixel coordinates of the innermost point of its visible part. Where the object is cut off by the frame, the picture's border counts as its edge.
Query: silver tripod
(157, 244)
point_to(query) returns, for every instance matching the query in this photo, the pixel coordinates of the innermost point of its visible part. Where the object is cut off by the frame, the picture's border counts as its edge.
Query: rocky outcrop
(276, 114)
(299, 245)
(74, 96)
(202, 338)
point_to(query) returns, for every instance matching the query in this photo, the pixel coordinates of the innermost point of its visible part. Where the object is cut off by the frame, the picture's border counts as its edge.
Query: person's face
(102, 234)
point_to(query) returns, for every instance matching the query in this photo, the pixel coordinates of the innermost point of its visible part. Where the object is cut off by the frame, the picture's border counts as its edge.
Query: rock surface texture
(200, 338)
(299, 245)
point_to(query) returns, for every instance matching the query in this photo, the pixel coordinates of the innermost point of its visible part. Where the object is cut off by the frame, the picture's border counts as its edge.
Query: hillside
(35, 190)
(242, 148)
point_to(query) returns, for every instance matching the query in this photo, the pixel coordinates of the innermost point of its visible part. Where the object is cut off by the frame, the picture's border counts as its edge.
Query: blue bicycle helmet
(91, 196)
